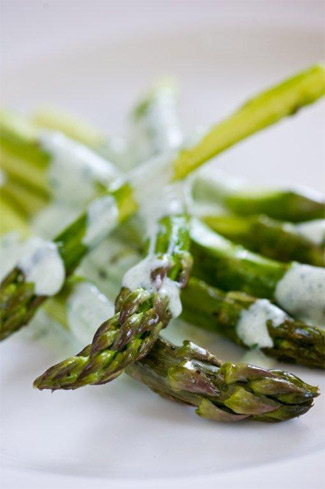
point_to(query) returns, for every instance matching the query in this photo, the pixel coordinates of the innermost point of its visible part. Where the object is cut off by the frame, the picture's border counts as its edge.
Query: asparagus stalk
(17, 298)
(258, 113)
(297, 288)
(191, 375)
(264, 325)
(144, 306)
(277, 240)
(26, 199)
(20, 294)
(52, 163)
(74, 127)
(222, 391)
(296, 204)
(54, 119)
(252, 322)
(11, 218)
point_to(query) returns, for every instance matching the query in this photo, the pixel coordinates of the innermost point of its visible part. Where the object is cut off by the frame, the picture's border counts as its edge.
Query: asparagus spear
(222, 391)
(274, 239)
(252, 322)
(24, 198)
(22, 291)
(113, 149)
(17, 298)
(296, 204)
(147, 302)
(297, 288)
(74, 127)
(53, 163)
(261, 111)
(191, 375)
(11, 218)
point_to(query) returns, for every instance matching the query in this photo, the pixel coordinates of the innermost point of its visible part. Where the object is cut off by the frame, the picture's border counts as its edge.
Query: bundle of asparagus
(155, 290)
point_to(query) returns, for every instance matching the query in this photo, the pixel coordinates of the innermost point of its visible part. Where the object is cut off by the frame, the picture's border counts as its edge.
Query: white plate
(122, 432)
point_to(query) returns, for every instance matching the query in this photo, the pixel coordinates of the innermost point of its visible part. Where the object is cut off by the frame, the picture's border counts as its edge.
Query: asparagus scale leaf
(222, 391)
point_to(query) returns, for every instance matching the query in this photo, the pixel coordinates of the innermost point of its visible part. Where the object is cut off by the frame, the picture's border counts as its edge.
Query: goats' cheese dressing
(12, 247)
(252, 324)
(43, 266)
(102, 216)
(87, 309)
(149, 178)
(74, 169)
(314, 230)
(140, 276)
(301, 291)
(53, 219)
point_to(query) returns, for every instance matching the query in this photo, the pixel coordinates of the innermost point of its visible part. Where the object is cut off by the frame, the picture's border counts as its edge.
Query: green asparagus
(258, 113)
(273, 239)
(191, 375)
(141, 311)
(252, 322)
(295, 205)
(18, 300)
(297, 288)
(222, 391)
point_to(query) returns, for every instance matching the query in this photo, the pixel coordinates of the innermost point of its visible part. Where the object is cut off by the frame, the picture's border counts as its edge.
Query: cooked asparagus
(19, 298)
(281, 241)
(222, 391)
(191, 375)
(293, 204)
(147, 302)
(253, 323)
(297, 288)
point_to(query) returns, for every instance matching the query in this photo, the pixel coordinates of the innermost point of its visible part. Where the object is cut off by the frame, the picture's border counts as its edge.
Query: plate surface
(122, 432)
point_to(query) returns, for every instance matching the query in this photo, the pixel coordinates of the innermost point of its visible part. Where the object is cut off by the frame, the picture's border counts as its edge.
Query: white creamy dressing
(102, 217)
(140, 276)
(156, 128)
(314, 230)
(53, 219)
(154, 192)
(50, 334)
(43, 265)
(301, 291)
(252, 324)
(149, 178)
(12, 247)
(87, 309)
(74, 170)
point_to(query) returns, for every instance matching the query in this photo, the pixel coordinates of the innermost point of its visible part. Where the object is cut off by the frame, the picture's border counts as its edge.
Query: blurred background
(94, 58)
